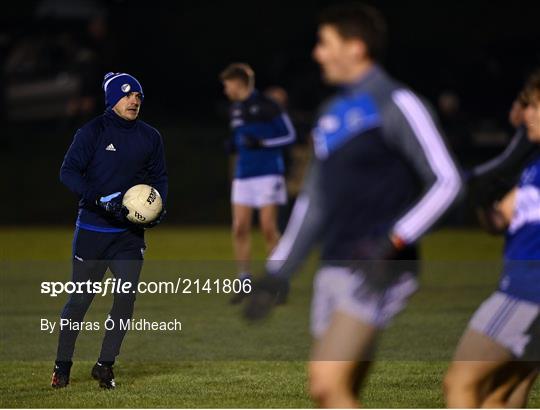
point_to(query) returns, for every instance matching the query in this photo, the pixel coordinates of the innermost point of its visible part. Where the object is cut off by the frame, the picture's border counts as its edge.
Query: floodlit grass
(252, 366)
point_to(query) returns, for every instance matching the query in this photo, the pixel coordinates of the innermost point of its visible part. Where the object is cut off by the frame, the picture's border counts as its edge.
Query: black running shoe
(60, 376)
(238, 297)
(104, 374)
(268, 291)
(283, 294)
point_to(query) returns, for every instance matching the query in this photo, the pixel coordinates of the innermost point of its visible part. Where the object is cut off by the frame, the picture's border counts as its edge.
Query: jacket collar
(119, 121)
(365, 80)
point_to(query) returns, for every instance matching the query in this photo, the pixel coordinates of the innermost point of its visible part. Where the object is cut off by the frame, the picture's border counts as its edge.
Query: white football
(143, 203)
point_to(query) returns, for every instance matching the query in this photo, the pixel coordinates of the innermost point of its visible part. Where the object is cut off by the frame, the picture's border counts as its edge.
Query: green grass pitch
(414, 350)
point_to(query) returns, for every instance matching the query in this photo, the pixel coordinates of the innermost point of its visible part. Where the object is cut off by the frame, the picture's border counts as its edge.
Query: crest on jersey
(354, 118)
(329, 123)
(254, 109)
(125, 88)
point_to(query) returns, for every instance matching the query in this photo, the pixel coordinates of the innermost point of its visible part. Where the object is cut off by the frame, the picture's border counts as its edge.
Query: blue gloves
(112, 205)
(156, 221)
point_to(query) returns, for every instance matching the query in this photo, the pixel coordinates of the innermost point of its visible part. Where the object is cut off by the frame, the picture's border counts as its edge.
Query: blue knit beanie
(118, 85)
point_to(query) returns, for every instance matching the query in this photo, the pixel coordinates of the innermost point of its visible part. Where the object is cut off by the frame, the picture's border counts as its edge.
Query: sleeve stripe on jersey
(281, 252)
(495, 162)
(447, 186)
(284, 140)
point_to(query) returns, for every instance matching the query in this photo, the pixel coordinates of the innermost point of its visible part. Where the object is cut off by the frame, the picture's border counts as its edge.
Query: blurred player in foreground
(260, 130)
(382, 176)
(498, 357)
(108, 156)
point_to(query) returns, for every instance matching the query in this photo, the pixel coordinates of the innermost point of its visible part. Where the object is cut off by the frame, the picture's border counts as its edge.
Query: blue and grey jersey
(107, 155)
(261, 118)
(521, 276)
(381, 167)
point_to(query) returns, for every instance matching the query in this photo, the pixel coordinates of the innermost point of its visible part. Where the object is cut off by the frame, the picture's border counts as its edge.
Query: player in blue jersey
(498, 356)
(381, 177)
(109, 155)
(492, 180)
(260, 131)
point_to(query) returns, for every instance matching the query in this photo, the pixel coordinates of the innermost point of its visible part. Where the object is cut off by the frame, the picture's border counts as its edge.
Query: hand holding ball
(143, 203)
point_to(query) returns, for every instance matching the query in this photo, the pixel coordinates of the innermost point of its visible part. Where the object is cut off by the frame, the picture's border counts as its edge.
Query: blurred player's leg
(519, 396)
(241, 235)
(510, 386)
(345, 323)
(496, 354)
(478, 358)
(363, 368)
(340, 361)
(268, 221)
(241, 232)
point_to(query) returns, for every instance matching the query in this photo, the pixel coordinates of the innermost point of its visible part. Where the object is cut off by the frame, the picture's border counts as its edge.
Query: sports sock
(244, 276)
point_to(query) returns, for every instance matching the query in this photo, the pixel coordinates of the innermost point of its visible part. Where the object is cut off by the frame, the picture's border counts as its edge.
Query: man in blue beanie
(109, 155)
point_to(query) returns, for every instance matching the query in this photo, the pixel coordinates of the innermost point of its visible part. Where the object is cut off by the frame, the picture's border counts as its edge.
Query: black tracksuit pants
(93, 253)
